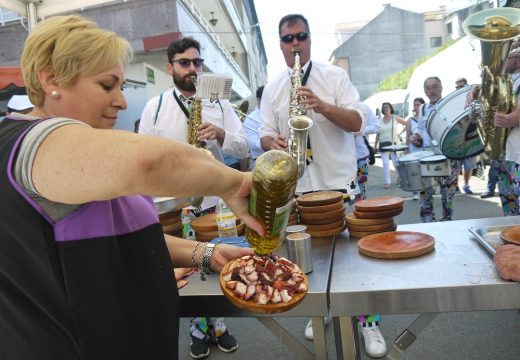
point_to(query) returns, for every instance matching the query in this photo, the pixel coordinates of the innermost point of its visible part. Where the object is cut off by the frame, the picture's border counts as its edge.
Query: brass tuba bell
(496, 29)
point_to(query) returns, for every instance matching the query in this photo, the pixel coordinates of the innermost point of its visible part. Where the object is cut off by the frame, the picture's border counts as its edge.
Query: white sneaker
(375, 345)
(309, 334)
(415, 197)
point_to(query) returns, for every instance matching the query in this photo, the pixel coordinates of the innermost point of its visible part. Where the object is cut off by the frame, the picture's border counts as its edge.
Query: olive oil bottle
(274, 182)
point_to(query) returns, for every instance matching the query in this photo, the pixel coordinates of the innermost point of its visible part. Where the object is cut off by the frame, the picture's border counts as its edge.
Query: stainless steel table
(206, 299)
(458, 275)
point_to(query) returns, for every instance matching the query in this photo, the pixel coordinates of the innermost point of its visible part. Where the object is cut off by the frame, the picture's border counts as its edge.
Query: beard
(184, 82)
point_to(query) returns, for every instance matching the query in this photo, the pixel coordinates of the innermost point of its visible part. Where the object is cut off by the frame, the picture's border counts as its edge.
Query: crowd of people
(89, 243)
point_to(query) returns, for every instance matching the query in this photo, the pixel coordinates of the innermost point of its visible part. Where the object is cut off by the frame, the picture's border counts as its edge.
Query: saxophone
(494, 29)
(299, 123)
(194, 121)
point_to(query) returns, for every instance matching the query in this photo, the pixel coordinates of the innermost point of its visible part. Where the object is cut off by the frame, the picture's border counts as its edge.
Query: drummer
(411, 125)
(421, 138)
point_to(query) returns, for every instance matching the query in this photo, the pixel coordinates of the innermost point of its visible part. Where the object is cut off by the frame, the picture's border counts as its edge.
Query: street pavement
(478, 335)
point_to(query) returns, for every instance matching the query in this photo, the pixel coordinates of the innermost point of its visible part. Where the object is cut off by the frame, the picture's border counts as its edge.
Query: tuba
(496, 29)
(299, 123)
(194, 121)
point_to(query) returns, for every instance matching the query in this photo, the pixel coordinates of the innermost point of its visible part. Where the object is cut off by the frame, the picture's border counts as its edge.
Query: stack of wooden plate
(322, 212)
(172, 223)
(206, 229)
(293, 218)
(374, 216)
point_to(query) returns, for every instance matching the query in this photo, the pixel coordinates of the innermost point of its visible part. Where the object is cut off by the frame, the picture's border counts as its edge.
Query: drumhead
(451, 126)
(433, 159)
(395, 148)
(415, 156)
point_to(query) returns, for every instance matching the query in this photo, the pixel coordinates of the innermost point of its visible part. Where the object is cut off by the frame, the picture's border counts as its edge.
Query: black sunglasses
(301, 36)
(186, 62)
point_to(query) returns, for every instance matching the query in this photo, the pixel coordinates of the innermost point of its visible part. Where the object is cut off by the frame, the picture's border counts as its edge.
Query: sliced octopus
(264, 279)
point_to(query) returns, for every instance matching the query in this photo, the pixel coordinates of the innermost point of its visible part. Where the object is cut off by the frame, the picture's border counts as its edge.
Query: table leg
(408, 336)
(287, 337)
(346, 336)
(320, 344)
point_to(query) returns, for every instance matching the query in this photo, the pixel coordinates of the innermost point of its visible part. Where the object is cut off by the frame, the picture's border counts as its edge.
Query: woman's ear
(47, 81)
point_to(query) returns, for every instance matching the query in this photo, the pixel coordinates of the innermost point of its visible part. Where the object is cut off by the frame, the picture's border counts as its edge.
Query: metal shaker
(299, 250)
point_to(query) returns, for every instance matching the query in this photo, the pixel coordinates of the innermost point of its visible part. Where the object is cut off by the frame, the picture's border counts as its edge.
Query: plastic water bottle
(226, 220)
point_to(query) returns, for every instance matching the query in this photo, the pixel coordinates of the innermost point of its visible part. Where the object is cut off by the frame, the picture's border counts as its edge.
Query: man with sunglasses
(167, 116)
(332, 102)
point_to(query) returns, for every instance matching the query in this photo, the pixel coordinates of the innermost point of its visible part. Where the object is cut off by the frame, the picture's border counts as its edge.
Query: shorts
(469, 163)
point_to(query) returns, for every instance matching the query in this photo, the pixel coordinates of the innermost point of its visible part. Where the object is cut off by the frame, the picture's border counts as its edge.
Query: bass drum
(450, 125)
(409, 169)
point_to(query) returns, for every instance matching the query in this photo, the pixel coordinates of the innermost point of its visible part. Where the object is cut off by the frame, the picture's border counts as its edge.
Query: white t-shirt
(334, 164)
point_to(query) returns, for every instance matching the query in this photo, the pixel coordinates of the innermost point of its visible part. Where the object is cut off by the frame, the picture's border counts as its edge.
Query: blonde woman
(86, 271)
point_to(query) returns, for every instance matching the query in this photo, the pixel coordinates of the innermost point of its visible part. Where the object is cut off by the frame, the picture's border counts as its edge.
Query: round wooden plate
(511, 235)
(320, 198)
(170, 221)
(207, 223)
(382, 203)
(250, 305)
(354, 220)
(172, 228)
(326, 233)
(169, 215)
(323, 227)
(378, 214)
(396, 244)
(361, 234)
(378, 227)
(320, 221)
(319, 209)
(325, 215)
(240, 231)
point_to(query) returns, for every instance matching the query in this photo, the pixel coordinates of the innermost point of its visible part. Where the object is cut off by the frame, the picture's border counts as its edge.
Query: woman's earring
(54, 93)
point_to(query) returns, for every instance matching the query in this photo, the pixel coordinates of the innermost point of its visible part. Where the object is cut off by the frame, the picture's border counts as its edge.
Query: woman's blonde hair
(67, 46)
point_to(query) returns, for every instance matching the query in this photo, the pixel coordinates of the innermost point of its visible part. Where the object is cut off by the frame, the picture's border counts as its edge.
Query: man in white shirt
(167, 116)
(252, 124)
(332, 102)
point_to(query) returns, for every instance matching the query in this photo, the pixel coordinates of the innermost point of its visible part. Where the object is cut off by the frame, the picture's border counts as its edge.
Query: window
(435, 41)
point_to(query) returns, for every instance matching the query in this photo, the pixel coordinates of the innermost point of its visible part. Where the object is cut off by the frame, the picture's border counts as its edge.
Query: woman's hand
(223, 253)
(238, 202)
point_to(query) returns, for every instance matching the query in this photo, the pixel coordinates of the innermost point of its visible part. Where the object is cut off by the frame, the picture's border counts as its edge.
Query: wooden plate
(207, 223)
(170, 221)
(250, 305)
(319, 209)
(382, 203)
(323, 227)
(354, 220)
(379, 227)
(396, 244)
(361, 234)
(378, 214)
(172, 228)
(320, 221)
(511, 235)
(169, 215)
(293, 217)
(325, 215)
(320, 198)
(326, 233)
(240, 231)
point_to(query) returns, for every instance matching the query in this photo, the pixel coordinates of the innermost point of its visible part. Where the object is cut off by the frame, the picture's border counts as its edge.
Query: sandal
(388, 186)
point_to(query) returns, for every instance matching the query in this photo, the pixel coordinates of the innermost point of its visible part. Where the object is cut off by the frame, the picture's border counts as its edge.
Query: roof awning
(11, 82)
